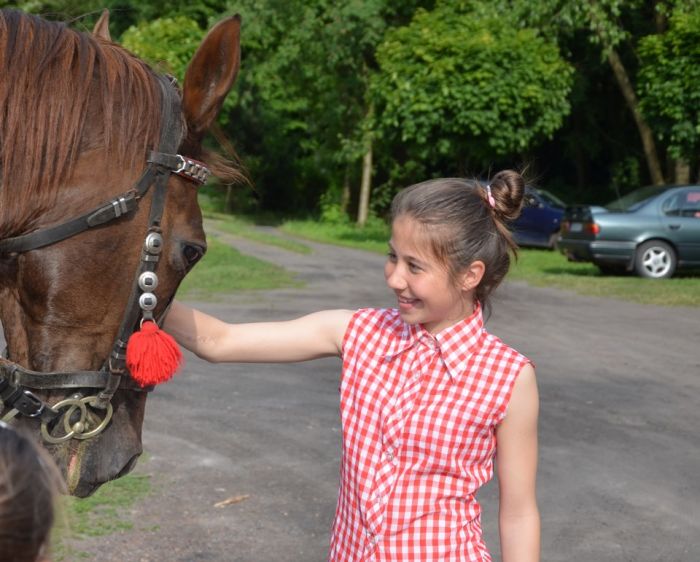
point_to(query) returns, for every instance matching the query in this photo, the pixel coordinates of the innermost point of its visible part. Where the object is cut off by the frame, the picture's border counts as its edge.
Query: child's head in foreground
(29, 483)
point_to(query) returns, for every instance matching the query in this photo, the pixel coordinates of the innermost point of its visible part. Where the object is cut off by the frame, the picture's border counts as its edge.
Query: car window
(683, 204)
(551, 199)
(636, 199)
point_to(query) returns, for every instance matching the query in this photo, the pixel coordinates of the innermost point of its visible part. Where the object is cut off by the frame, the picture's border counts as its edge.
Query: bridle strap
(77, 379)
(113, 209)
(18, 400)
(188, 168)
(171, 136)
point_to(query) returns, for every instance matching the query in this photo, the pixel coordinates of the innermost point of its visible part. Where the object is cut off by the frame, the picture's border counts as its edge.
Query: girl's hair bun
(508, 190)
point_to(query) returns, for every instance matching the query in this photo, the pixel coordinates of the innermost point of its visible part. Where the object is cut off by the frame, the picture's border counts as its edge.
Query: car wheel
(655, 260)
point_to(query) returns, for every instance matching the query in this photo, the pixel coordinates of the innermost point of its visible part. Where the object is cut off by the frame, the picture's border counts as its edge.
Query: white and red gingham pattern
(419, 414)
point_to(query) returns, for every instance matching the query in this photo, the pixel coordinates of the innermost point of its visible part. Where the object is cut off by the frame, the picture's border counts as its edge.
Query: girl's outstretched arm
(316, 335)
(516, 458)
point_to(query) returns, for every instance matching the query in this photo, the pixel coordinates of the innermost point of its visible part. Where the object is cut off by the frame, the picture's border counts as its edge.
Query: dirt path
(620, 445)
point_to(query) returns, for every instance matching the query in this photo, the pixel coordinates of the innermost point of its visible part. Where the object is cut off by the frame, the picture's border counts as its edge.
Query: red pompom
(152, 355)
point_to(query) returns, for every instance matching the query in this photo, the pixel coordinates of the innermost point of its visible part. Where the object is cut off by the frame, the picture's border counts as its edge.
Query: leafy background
(593, 98)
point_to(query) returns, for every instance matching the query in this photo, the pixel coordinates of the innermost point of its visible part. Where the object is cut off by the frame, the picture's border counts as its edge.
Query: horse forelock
(53, 79)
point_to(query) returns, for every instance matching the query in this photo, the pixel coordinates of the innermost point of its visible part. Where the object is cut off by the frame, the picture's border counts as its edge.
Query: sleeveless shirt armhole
(350, 331)
(509, 393)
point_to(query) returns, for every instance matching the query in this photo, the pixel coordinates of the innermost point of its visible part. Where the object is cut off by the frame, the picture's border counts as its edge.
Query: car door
(537, 221)
(525, 225)
(680, 215)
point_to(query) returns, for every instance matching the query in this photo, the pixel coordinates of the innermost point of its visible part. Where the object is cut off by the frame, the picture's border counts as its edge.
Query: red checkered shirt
(419, 414)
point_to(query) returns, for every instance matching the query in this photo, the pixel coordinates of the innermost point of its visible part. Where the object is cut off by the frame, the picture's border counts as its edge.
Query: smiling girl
(428, 398)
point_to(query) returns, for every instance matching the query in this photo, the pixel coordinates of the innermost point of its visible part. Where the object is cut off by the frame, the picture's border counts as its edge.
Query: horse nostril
(128, 466)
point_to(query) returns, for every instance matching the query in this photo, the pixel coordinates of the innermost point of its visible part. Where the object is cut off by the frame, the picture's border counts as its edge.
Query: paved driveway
(619, 477)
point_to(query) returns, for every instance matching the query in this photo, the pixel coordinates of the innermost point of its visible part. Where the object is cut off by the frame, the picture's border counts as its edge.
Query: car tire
(655, 260)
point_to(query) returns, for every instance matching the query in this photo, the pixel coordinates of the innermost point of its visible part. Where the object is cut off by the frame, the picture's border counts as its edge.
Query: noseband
(15, 380)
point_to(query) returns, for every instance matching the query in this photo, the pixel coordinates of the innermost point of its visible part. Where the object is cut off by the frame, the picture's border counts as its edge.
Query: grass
(101, 514)
(373, 237)
(225, 270)
(543, 268)
(240, 226)
(539, 268)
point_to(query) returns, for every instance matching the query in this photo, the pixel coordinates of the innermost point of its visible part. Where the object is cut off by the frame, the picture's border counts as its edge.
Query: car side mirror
(531, 201)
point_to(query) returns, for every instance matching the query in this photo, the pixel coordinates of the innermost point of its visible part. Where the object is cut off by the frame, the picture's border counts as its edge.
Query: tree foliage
(452, 84)
(167, 43)
(670, 83)
(439, 87)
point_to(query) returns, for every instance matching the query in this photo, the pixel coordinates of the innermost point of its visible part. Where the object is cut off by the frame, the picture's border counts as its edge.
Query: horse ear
(211, 74)
(101, 29)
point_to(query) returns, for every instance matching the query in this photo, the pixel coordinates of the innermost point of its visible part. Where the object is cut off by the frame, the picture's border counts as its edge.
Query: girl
(428, 397)
(29, 484)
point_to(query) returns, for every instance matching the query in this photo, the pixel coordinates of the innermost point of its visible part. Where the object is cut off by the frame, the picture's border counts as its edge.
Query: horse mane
(55, 83)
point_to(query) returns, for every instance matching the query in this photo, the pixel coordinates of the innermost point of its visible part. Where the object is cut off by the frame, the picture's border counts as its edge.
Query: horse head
(82, 123)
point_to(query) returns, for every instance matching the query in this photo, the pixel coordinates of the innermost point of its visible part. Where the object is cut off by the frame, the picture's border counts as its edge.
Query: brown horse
(92, 138)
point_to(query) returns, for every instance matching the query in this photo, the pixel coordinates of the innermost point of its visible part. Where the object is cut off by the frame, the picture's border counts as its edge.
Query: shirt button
(390, 454)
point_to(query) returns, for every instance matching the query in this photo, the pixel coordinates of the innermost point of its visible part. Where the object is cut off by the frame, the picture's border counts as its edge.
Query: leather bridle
(15, 380)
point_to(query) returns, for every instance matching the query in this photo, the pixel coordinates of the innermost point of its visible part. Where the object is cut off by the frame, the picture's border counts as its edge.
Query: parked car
(652, 231)
(538, 223)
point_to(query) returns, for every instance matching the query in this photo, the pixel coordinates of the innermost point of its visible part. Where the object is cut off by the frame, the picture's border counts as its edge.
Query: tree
(669, 83)
(303, 93)
(168, 43)
(459, 85)
(604, 21)
(601, 17)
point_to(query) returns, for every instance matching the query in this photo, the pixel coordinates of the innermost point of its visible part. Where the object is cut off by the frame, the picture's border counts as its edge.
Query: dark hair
(29, 483)
(462, 225)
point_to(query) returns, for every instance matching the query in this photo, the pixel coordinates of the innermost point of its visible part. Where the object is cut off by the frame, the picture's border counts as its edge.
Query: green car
(652, 231)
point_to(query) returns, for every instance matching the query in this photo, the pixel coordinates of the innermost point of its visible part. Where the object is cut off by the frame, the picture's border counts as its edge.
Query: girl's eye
(391, 255)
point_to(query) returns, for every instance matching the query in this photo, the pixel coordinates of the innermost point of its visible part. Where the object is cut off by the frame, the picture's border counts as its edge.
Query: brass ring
(77, 429)
(73, 403)
(102, 424)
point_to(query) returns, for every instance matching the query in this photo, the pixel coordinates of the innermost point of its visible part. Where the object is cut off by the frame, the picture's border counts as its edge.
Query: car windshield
(551, 199)
(636, 199)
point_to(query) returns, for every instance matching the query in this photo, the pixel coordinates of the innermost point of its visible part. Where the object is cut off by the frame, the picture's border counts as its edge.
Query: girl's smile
(406, 303)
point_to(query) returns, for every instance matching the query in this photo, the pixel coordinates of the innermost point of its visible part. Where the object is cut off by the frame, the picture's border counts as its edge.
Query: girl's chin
(410, 316)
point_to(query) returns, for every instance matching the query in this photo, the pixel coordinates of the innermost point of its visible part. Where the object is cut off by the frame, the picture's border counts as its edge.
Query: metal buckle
(192, 169)
(29, 405)
(183, 164)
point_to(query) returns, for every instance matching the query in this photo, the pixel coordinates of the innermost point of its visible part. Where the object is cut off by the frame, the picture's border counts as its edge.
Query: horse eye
(192, 254)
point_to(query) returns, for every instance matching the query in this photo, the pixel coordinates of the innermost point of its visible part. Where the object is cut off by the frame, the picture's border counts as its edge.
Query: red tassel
(152, 355)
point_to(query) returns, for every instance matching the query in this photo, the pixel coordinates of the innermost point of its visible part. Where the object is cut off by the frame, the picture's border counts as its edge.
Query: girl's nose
(394, 279)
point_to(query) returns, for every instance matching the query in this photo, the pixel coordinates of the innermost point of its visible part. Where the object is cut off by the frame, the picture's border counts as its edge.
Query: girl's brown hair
(29, 484)
(462, 225)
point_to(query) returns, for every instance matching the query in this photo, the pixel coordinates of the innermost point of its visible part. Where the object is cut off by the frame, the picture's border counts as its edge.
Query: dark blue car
(540, 219)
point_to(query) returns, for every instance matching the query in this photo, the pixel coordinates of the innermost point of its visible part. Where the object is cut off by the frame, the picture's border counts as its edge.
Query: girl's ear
(472, 275)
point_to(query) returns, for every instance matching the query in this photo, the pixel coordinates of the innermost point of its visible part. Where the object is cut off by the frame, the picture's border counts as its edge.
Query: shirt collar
(455, 343)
